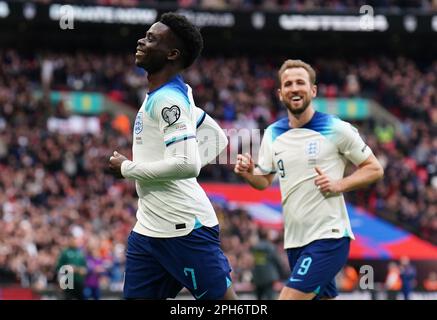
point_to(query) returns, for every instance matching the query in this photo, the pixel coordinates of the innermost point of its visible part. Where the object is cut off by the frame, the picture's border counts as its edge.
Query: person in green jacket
(72, 259)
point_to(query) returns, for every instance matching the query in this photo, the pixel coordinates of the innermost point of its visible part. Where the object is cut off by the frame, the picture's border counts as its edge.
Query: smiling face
(296, 90)
(153, 50)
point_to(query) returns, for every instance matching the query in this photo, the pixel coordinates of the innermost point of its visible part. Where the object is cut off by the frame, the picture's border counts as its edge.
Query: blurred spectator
(95, 269)
(384, 133)
(430, 283)
(393, 282)
(347, 279)
(122, 123)
(73, 257)
(267, 268)
(408, 277)
(116, 269)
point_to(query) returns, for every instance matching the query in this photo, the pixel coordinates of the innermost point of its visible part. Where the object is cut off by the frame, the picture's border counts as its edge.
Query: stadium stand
(54, 183)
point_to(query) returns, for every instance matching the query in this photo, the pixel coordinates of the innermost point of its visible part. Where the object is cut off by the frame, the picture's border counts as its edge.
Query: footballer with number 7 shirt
(175, 242)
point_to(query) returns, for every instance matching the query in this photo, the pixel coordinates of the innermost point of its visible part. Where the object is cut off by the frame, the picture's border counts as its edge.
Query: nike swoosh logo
(364, 148)
(200, 295)
(294, 280)
(276, 153)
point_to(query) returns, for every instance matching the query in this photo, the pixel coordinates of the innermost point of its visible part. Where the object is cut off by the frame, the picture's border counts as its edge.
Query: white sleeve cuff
(123, 167)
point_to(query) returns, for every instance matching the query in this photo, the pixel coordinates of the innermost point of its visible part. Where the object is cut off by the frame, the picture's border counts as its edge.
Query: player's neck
(297, 121)
(161, 77)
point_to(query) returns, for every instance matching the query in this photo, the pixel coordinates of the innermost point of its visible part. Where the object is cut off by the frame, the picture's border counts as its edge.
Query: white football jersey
(168, 208)
(327, 142)
(211, 139)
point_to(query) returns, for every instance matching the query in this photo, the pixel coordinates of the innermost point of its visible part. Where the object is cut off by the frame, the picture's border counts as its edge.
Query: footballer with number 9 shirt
(309, 150)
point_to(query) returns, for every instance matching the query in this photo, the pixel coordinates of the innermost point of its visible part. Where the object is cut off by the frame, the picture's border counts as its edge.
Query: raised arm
(245, 168)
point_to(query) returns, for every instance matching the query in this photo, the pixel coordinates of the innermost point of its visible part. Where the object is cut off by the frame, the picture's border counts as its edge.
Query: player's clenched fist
(325, 184)
(244, 164)
(115, 162)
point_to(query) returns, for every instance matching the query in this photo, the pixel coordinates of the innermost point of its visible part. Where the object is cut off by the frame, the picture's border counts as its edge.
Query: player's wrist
(123, 167)
(243, 174)
(249, 172)
(338, 186)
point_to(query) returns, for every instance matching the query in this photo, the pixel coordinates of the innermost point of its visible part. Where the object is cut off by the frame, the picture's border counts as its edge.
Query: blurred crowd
(296, 5)
(55, 188)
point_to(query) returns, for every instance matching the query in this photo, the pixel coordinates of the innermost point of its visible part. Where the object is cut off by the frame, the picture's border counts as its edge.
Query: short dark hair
(188, 33)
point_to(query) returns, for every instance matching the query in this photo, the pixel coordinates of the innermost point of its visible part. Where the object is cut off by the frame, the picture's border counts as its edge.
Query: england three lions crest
(138, 127)
(312, 148)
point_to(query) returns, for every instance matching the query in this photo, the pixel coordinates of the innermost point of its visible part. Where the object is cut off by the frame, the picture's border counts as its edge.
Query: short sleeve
(172, 114)
(350, 143)
(265, 156)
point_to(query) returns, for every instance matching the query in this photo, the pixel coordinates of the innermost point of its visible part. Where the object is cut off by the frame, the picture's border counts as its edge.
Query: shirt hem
(299, 245)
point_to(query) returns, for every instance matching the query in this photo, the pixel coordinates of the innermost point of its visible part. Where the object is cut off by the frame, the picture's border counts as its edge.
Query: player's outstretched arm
(245, 168)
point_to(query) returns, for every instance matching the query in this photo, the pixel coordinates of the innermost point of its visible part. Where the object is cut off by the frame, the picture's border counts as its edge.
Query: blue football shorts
(158, 268)
(315, 265)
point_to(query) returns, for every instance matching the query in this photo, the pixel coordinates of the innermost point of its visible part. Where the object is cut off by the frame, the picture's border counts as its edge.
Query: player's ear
(278, 92)
(174, 54)
(314, 91)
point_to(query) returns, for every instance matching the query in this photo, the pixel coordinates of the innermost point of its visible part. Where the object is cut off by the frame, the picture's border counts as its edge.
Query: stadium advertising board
(360, 21)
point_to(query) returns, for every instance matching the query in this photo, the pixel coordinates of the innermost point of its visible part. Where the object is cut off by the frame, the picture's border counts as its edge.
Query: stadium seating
(53, 183)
